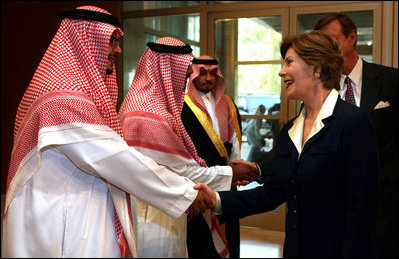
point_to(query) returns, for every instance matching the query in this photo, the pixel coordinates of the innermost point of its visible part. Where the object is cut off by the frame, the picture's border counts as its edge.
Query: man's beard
(207, 90)
(109, 71)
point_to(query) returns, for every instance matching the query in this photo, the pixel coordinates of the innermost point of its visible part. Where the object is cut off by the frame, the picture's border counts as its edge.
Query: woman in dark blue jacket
(326, 161)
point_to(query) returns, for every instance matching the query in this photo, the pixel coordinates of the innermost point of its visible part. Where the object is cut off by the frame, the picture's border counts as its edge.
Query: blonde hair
(320, 49)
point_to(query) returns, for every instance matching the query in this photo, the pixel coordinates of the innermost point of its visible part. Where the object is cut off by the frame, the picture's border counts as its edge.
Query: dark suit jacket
(331, 190)
(380, 83)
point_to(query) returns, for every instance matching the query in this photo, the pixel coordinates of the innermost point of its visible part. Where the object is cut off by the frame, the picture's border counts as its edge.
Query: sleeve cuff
(260, 171)
(218, 207)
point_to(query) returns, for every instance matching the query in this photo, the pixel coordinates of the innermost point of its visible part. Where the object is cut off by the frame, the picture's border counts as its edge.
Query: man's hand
(244, 171)
(240, 161)
(203, 201)
(209, 194)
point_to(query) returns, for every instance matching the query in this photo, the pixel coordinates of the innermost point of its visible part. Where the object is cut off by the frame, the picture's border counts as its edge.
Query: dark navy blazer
(331, 190)
(380, 83)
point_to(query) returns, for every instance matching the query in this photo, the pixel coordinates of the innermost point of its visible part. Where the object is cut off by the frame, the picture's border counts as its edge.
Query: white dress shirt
(296, 131)
(209, 101)
(356, 82)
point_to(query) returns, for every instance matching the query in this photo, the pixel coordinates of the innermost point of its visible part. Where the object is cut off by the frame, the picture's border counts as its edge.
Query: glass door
(248, 51)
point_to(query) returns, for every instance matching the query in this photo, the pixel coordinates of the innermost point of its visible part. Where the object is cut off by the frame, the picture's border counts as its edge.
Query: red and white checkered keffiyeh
(151, 110)
(70, 85)
(222, 107)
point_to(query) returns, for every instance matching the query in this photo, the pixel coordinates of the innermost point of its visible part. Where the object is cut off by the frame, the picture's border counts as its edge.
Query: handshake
(244, 172)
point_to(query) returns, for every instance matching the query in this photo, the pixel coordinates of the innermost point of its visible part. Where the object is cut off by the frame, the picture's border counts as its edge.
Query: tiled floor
(255, 243)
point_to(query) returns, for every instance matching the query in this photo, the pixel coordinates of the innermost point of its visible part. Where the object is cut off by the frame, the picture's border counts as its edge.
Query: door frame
(273, 220)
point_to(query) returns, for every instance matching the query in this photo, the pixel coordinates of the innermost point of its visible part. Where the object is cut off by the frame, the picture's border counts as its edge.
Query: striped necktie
(349, 97)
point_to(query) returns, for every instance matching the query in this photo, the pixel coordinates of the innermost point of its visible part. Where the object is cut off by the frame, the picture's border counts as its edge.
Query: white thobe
(160, 235)
(60, 203)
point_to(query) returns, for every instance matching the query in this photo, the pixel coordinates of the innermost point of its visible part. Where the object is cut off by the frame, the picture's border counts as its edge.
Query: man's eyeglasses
(114, 42)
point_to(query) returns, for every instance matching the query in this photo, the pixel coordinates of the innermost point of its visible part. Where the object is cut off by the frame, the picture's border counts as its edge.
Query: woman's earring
(316, 75)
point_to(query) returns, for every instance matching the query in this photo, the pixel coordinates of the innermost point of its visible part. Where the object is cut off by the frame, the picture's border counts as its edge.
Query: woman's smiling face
(297, 75)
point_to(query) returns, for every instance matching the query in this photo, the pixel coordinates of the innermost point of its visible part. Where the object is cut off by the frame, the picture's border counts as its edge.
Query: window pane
(257, 84)
(223, 2)
(248, 52)
(363, 21)
(254, 40)
(255, 144)
(139, 31)
(259, 38)
(146, 5)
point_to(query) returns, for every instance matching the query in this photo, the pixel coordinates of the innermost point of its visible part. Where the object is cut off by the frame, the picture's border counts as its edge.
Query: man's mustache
(207, 83)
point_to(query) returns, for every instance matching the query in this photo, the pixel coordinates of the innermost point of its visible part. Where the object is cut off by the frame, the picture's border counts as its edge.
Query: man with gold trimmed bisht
(214, 124)
(152, 124)
(71, 169)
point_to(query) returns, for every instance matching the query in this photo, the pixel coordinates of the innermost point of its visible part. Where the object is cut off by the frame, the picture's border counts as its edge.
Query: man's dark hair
(347, 24)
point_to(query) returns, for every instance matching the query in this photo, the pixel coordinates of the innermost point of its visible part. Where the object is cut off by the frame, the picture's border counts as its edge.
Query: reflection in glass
(260, 133)
(363, 20)
(139, 31)
(259, 38)
(248, 51)
(257, 84)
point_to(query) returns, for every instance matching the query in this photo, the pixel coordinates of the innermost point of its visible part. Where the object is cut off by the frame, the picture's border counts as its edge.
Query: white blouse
(296, 131)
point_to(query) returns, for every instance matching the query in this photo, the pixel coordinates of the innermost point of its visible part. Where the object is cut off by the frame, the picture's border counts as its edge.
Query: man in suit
(213, 122)
(375, 90)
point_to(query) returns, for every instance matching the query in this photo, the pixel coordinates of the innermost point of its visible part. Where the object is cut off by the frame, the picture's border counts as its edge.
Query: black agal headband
(169, 48)
(82, 14)
(205, 61)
